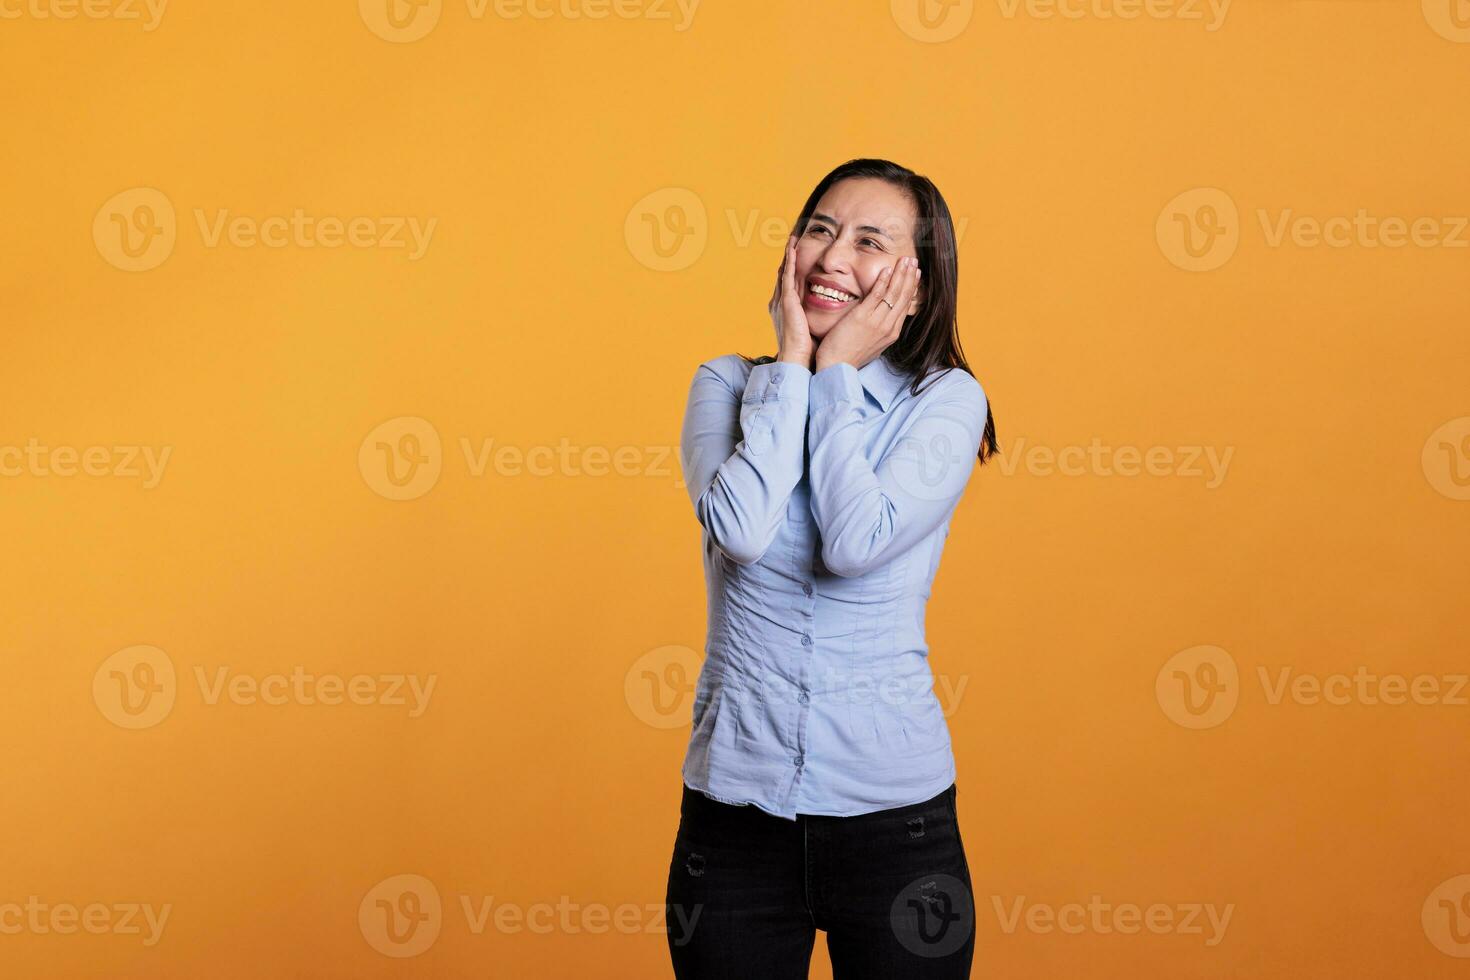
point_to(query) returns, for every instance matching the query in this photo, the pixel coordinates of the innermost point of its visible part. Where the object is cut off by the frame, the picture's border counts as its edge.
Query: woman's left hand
(867, 329)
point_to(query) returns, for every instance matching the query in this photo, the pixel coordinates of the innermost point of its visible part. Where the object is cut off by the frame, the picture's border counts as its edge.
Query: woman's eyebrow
(818, 216)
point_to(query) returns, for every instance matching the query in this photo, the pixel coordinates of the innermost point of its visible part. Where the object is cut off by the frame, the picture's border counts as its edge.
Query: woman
(819, 781)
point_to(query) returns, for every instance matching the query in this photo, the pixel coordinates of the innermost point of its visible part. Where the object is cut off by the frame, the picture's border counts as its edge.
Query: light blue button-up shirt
(825, 500)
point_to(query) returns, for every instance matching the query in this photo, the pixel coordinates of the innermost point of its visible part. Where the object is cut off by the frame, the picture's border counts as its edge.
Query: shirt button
(806, 587)
(803, 697)
(798, 761)
(806, 639)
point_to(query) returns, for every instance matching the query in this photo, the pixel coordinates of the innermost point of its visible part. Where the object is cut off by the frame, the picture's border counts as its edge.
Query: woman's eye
(823, 230)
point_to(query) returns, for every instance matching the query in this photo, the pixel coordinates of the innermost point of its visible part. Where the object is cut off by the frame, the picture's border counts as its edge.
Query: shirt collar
(881, 380)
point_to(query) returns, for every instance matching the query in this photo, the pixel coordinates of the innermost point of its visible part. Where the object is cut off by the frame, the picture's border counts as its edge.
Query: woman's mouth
(820, 296)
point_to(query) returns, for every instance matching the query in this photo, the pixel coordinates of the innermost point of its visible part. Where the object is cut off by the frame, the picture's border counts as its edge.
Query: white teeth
(830, 293)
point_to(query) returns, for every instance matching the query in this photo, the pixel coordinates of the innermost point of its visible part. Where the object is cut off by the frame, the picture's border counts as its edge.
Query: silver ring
(890, 305)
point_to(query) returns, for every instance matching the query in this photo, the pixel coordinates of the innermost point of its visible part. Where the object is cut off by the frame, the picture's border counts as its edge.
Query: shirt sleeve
(743, 454)
(868, 515)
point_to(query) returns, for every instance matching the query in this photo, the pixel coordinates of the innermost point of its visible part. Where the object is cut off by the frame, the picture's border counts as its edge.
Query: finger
(899, 285)
(901, 293)
(870, 306)
(909, 286)
(788, 268)
(893, 293)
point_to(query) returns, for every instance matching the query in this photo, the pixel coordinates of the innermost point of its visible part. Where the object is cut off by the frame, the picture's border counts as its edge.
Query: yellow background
(538, 317)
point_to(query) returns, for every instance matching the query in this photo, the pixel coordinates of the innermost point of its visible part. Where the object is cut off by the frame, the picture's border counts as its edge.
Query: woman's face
(861, 226)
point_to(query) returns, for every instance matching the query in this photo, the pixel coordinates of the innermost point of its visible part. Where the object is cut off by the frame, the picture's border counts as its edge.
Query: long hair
(929, 340)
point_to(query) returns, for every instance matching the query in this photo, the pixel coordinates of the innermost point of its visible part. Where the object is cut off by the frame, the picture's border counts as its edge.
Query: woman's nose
(835, 258)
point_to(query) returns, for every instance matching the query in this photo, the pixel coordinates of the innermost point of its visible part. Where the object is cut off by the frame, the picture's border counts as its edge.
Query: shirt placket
(803, 561)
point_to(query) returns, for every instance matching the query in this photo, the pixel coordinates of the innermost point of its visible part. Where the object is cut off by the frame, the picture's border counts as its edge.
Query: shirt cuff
(833, 384)
(769, 381)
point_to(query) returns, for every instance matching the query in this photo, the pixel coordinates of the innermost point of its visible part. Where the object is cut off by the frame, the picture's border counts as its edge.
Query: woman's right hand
(792, 332)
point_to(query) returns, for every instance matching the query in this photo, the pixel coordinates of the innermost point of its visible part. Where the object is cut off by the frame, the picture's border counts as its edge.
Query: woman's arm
(743, 455)
(867, 516)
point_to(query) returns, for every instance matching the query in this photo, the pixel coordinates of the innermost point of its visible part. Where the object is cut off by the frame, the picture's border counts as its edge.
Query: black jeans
(747, 892)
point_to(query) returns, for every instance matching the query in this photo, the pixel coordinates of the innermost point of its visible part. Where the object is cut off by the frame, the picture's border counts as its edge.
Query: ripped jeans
(748, 891)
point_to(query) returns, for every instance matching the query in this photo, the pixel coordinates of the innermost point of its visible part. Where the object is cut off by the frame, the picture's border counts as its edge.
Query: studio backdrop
(353, 598)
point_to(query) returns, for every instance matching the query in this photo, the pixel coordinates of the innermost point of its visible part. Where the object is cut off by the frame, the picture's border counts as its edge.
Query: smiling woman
(819, 783)
(857, 221)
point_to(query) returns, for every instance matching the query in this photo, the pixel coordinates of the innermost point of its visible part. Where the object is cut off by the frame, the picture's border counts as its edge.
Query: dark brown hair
(929, 340)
